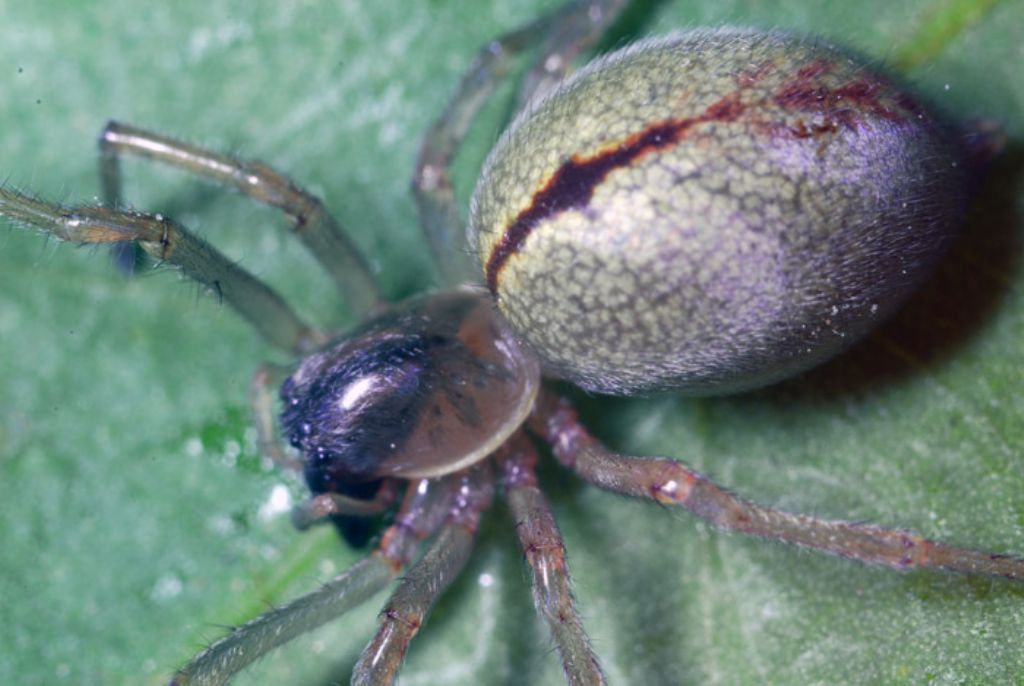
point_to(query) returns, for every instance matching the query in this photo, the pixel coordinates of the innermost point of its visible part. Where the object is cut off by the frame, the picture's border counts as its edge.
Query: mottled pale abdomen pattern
(712, 211)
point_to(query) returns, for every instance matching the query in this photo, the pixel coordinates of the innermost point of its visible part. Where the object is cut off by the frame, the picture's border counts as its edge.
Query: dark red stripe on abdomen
(573, 185)
(845, 106)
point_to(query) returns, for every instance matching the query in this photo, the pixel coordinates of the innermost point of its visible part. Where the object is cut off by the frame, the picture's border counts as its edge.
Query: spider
(114, 134)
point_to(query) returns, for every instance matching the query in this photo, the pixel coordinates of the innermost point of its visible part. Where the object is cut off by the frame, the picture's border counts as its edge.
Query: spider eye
(425, 389)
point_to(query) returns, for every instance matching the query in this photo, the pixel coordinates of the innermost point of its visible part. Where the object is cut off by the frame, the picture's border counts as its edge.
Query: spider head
(349, 408)
(424, 389)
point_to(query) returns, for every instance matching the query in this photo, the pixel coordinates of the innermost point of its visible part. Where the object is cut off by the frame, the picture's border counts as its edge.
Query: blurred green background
(136, 518)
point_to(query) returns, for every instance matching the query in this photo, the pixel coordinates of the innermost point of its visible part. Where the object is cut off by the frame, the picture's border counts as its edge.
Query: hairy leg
(311, 221)
(170, 243)
(426, 505)
(265, 382)
(572, 29)
(545, 552)
(319, 508)
(565, 32)
(407, 609)
(672, 483)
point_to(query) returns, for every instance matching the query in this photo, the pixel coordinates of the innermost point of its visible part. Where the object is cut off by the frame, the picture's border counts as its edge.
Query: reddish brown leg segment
(405, 612)
(673, 483)
(318, 508)
(542, 544)
(427, 504)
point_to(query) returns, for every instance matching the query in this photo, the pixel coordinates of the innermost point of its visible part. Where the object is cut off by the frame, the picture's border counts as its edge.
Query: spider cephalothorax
(705, 212)
(423, 390)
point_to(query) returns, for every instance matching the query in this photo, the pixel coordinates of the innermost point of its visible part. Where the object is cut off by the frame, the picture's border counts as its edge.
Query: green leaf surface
(137, 520)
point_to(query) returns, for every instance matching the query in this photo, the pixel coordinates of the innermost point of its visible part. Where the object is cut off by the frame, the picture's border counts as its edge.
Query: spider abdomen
(712, 211)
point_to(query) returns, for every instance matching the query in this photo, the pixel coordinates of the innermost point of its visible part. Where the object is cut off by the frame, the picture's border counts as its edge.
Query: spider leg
(542, 544)
(319, 508)
(569, 30)
(313, 224)
(672, 483)
(261, 399)
(426, 506)
(423, 583)
(171, 243)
